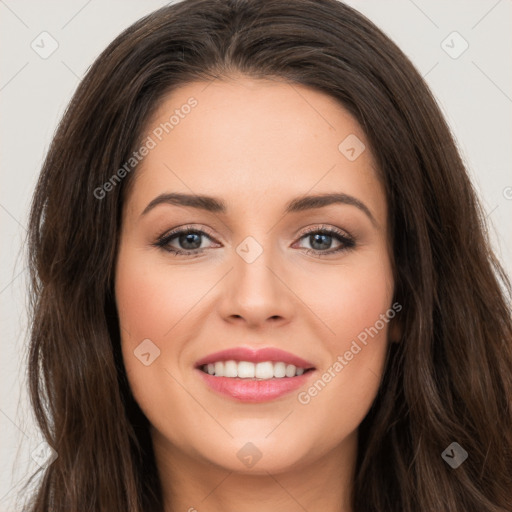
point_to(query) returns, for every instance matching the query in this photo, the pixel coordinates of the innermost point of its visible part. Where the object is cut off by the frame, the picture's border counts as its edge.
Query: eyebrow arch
(298, 204)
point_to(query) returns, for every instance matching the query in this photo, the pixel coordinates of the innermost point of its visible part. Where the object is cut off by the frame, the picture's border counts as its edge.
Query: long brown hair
(449, 379)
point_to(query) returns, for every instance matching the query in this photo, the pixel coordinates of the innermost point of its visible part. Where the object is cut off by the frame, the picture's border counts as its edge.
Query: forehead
(263, 140)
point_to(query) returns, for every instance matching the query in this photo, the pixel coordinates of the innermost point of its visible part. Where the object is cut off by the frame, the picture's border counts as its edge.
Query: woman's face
(271, 269)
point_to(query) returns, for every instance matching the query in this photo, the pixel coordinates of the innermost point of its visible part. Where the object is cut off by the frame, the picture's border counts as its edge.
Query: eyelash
(347, 241)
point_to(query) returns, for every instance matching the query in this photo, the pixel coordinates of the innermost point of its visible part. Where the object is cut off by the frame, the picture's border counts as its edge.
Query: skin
(256, 144)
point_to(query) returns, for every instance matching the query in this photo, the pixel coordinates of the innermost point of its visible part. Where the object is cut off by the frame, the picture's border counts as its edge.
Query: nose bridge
(253, 259)
(255, 289)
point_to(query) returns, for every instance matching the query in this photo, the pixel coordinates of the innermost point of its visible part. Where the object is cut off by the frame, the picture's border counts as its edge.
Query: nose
(256, 292)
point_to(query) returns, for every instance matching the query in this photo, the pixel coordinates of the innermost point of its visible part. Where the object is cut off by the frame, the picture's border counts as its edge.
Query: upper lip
(255, 356)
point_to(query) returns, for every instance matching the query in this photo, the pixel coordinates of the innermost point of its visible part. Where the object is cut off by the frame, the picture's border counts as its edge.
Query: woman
(189, 352)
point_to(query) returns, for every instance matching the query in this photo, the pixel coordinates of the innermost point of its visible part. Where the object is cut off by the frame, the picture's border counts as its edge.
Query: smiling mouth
(247, 370)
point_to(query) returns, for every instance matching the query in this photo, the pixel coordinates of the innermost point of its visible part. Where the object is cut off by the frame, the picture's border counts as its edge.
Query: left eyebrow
(298, 204)
(320, 200)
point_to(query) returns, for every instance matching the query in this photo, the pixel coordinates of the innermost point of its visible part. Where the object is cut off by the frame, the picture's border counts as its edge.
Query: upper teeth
(248, 370)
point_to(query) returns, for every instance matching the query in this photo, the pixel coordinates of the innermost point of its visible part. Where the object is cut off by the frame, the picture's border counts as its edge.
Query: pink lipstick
(250, 375)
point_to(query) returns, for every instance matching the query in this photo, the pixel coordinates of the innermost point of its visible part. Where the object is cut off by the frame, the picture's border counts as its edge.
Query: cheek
(350, 298)
(150, 302)
(356, 305)
(147, 307)
(156, 302)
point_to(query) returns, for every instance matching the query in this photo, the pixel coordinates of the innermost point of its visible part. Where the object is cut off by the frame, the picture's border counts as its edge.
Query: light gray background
(473, 90)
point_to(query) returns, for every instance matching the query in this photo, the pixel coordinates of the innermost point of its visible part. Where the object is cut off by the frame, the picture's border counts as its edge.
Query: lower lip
(247, 390)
